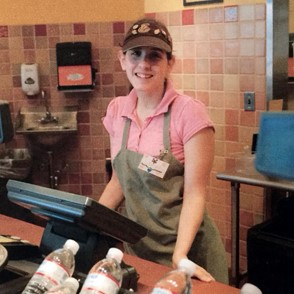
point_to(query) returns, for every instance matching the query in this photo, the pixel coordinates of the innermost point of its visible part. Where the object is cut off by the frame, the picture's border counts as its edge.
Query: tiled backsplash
(220, 53)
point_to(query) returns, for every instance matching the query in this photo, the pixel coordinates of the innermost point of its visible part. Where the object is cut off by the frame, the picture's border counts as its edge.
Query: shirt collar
(168, 97)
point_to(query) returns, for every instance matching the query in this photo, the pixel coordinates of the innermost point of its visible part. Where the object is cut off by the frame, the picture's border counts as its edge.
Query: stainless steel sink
(46, 128)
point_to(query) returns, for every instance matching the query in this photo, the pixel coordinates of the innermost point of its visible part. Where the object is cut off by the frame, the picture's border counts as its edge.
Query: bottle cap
(72, 283)
(72, 245)
(250, 289)
(115, 253)
(188, 266)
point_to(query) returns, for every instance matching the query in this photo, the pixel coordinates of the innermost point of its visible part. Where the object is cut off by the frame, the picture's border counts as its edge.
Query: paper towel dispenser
(74, 67)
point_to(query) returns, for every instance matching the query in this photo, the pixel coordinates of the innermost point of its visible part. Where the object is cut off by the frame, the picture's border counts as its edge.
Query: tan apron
(156, 204)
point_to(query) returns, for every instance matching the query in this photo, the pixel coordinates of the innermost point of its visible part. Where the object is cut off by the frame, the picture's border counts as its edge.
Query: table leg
(235, 206)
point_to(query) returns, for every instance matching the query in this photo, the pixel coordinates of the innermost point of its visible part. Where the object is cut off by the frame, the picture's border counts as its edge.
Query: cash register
(69, 216)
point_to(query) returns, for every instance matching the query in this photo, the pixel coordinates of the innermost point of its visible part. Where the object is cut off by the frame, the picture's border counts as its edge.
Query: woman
(162, 149)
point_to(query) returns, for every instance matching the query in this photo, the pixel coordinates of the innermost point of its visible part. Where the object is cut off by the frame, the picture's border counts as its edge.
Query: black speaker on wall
(74, 66)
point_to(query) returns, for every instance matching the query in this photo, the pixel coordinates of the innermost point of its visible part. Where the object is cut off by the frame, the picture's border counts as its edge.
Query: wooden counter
(149, 272)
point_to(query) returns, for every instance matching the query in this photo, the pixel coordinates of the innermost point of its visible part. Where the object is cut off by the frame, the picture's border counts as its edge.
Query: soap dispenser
(30, 79)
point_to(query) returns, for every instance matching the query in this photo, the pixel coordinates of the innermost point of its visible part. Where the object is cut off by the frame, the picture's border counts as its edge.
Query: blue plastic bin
(275, 145)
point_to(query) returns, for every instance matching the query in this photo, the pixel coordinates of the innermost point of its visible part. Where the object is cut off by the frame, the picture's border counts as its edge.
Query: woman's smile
(143, 75)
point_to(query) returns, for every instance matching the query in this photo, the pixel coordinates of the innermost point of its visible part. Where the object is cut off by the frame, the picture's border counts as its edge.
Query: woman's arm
(199, 154)
(112, 195)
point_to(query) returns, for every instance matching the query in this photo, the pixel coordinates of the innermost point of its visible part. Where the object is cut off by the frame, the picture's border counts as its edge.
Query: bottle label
(52, 271)
(102, 283)
(161, 291)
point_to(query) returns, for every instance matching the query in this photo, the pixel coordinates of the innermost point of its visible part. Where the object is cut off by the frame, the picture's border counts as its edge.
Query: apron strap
(126, 134)
(166, 136)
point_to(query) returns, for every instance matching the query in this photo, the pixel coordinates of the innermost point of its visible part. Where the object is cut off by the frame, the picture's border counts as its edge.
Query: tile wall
(220, 54)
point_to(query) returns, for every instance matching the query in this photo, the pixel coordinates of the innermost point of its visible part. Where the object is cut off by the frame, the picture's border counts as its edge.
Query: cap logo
(155, 33)
(145, 28)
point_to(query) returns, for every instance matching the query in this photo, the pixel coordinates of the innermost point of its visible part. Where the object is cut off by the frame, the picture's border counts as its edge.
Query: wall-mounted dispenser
(30, 79)
(74, 67)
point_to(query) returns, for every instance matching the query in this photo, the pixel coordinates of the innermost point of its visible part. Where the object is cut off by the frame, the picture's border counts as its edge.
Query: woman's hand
(199, 273)
(203, 275)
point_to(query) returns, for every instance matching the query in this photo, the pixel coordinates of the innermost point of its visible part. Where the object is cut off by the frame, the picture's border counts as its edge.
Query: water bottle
(250, 289)
(55, 268)
(105, 277)
(177, 281)
(69, 286)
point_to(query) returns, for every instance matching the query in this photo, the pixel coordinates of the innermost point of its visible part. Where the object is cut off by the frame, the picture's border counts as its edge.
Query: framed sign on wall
(196, 2)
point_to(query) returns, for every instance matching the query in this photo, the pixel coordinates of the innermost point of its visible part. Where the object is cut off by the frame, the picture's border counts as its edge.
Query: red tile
(79, 29)
(84, 129)
(150, 15)
(247, 118)
(107, 79)
(246, 218)
(232, 116)
(87, 190)
(121, 90)
(16, 81)
(86, 178)
(40, 30)
(188, 17)
(83, 117)
(118, 27)
(232, 133)
(3, 31)
(74, 178)
(98, 178)
(28, 43)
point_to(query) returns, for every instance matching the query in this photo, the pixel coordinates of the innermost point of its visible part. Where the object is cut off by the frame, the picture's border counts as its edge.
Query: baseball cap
(148, 32)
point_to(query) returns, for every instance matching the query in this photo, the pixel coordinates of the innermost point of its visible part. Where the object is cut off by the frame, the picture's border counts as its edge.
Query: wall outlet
(249, 101)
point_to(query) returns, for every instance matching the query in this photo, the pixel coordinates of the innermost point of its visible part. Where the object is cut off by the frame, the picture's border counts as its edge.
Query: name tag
(153, 165)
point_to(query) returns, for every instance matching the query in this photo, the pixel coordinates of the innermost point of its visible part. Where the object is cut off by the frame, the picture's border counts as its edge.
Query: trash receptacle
(270, 252)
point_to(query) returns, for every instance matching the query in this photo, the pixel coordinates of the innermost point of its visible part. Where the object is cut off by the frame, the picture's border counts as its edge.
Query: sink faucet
(48, 118)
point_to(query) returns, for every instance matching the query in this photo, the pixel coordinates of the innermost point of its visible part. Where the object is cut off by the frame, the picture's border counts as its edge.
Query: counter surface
(149, 272)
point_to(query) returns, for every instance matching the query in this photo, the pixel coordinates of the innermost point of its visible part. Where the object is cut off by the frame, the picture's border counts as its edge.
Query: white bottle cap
(115, 253)
(250, 289)
(72, 283)
(72, 245)
(188, 266)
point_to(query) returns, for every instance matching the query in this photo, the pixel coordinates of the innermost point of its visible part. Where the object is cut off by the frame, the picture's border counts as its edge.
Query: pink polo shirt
(188, 116)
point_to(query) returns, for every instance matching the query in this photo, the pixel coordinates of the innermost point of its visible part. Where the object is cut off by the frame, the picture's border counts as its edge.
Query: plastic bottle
(69, 286)
(250, 289)
(54, 269)
(177, 281)
(105, 277)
